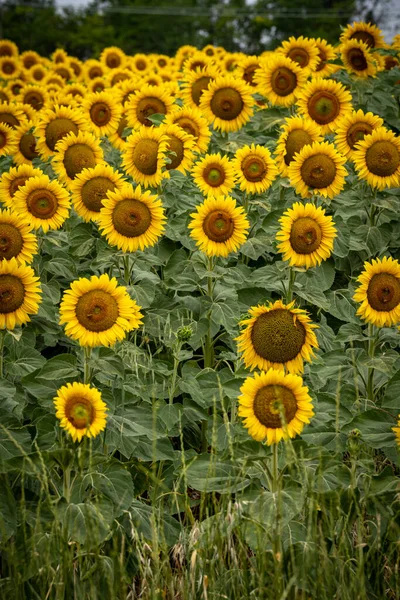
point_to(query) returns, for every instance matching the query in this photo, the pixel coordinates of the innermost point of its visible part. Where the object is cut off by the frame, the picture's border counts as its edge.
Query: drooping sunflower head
(352, 128)
(324, 101)
(274, 405)
(277, 336)
(193, 123)
(5, 95)
(358, 59)
(296, 133)
(81, 410)
(102, 112)
(14, 179)
(144, 156)
(227, 103)
(219, 226)
(73, 153)
(180, 148)
(255, 169)
(303, 51)
(306, 235)
(98, 311)
(16, 238)
(20, 293)
(379, 292)
(279, 79)
(8, 140)
(113, 58)
(214, 175)
(364, 32)
(131, 219)
(54, 125)
(377, 158)
(90, 188)
(144, 103)
(195, 83)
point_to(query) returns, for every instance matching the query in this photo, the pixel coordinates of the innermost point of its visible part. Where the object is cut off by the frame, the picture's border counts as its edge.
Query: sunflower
(275, 406)
(34, 95)
(379, 292)
(279, 79)
(277, 335)
(8, 48)
(183, 53)
(117, 75)
(59, 56)
(326, 53)
(12, 114)
(29, 59)
(63, 71)
(181, 144)
(126, 89)
(377, 159)
(198, 60)
(195, 83)
(76, 65)
(214, 175)
(113, 58)
(90, 188)
(144, 156)
(140, 63)
(5, 96)
(96, 85)
(102, 112)
(358, 59)
(246, 69)
(296, 133)
(306, 236)
(54, 125)
(8, 140)
(255, 169)
(227, 103)
(20, 293)
(324, 101)
(16, 238)
(364, 32)
(98, 311)
(219, 226)
(303, 51)
(53, 82)
(147, 101)
(77, 90)
(9, 67)
(73, 153)
(152, 79)
(38, 73)
(42, 203)
(81, 410)
(318, 169)
(192, 122)
(93, 68)
(162, 61)
(14, 88)
(118, 139)
(131, 219)
(353, 128)
(14, 179)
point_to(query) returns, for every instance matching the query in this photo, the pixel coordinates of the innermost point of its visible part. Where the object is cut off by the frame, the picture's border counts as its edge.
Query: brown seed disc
(3, 97)
(144, 156)
(254, 168)
(214, 175)
(198, 64)
(95, 191)
(100, 114)
(8, 68)
(357, 59)
(38, 74)
(248, 74)
(80, 412)
(384, 292)
(16, 88)
(78, 157)
(35, 99)
(188, 125)
(175, 145)
(95, 72)
(299, 56)
(391, 62)
(198, 88)
(305, 235)
(29, 61)
(12, 293)
(27, 146)
(64, 73)
(322, 60)
(141, 65)
(382, 158)
(149, 106)
(283, 81)
(131, 217)
(5, 50)
(272, 400)
(9, 119)
(226, 104)
(113, 60)
(277, 336)
(318, 171)
(364, 36)
(42, 204)
(357, 132)
(57, 129)
(218, 226)
(16, 184)
(11, 241)
(119, 77)
(123, 124)
(97, 310)
(296, 140)
(3, 140)
(323, 107)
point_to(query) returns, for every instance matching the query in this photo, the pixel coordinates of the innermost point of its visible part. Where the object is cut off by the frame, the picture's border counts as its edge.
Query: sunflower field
(199, 323)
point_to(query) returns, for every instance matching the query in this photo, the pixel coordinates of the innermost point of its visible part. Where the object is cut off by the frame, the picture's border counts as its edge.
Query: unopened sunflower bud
(184, 333)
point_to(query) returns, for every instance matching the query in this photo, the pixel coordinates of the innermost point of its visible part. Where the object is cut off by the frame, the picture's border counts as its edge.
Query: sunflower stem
(175, 372)
(86, 366)
(208, 346)
(276, 490)
(292, 278)
(2, 338)
(67, 483)
(371, 370)
(127, 270)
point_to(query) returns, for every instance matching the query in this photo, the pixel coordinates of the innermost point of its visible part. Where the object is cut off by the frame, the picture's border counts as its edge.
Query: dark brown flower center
(144, 156)
(299, 56)
(364, 36)
(63, 72)
(141, 65)
(9, 119)
(95, 191)
(38, 74)
(254, 168)
(382, 158)
(357, 59)
(42, 204)
(323, 107)
(35, 99)
(5, 50)
(305, 235)
(296, 140)
(218, 226)
(214, 175)
(95, 72)
(278, 336)
(318, 171)
(188, 125)
(100, 114)
(384, 292)
(226, 104)
(12, 293)
(119, 77)
(113, 60)
(131, 217)
(29, 61)
(98, 86)
(16, 184)
(175, 145)
(27, 146)
(80, 412)
(322, 60)
(391, 62)
(11, 241)
(198, 88)
(149, 106)
(357, 132)
(78, 157)
(57, 129)
(3, 139)
(97, 310)
(271, 402)
(248, 74)
(283, 81)
(3, 97)
(8, 67)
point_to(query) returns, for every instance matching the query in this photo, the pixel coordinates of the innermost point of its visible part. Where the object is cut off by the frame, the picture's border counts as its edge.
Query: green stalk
(2, 338)
(371, 370)
(277, 546)
(292, 278)
(175, 372)
(208, 347)
(86, 365)
(67, 483)
(127, 270)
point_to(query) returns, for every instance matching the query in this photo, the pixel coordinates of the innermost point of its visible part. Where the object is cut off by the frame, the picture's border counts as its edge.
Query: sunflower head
(364, 32)
(90, 188)
(75, 153)
(296, 133)
(324, 101)
(352, 128)
(255, 169)
(144, 103)
(227, 103)
(144, 155)
(303, 51)
(377, 158)
(214, 175)
(81, 410)
(357, 58)
(279, 79)
(20, 293)
(193, 123)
